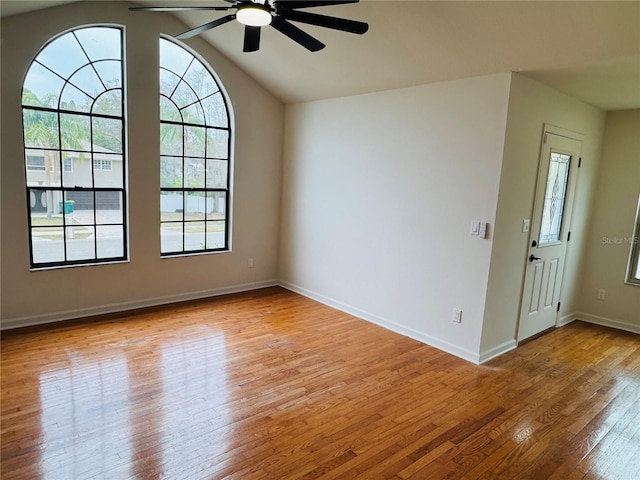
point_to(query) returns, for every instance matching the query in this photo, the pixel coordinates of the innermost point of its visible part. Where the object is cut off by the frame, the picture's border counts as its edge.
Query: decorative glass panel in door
(554, 199)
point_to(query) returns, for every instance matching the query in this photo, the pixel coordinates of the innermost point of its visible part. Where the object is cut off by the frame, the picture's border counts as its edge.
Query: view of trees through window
(633, 275)
(73, 125)
(194, 155)
(72, 107)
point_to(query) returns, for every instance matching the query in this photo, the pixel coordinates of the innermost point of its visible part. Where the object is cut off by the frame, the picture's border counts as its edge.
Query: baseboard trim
(608, 322)
(497, 351)
(384, 323)
(567, 319)
(125, 306)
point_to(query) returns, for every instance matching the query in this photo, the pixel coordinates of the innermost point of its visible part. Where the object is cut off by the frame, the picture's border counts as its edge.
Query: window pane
(75, 132)
(554, 200)
(77, 171)
(110, 241)
(169, 111)
(217, 143)
(109, 103)
(171, 172)
(195, 203)
(41, 87)
(171, 240)
(109, 208)
(107, 135)
(47, 244)
(216, 234)
(108, 170)
(173, 57)
(199, 78)
(78, 208)
(64, 55)
(80, 243)
(100, 42)
(194, 236)
(110, 73)
(194, 141)
(194, 172)
(194, 114)
(217, 173)
(43, 167)
(168, 82)
(88, 81)
(217, 206)
(40, 129)
(41, 216)
(74, 99)
(183, 95)
(171, 206)
(170, 139)
(215, 111)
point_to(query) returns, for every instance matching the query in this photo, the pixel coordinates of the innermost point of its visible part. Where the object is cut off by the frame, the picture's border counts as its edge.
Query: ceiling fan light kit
(255, 14)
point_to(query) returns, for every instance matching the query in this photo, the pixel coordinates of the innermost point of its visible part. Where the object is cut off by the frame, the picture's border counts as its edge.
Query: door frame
(561, 132)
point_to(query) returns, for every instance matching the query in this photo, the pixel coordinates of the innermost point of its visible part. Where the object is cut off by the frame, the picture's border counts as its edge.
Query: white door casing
(550, 228)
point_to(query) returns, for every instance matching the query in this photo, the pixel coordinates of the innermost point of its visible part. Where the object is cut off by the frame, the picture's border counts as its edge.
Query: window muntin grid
(195, 148)
(72, 109)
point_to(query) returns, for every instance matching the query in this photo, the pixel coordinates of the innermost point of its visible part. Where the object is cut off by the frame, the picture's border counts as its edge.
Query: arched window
(73, 125)
(195, 145)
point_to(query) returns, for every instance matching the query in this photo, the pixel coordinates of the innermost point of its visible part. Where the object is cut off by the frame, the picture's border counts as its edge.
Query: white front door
(557, 174)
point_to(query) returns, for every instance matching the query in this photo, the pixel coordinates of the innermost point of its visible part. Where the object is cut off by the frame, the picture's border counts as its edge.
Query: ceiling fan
(255, 14)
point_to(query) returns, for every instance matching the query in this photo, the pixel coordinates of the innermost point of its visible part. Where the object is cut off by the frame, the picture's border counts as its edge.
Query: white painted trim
(125, 306)
(384, 323)
(566, 320)
(608, 322)
(498, 350)
(563, 132)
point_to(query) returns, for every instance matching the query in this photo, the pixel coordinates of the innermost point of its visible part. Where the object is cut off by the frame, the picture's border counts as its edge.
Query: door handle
(532, 257)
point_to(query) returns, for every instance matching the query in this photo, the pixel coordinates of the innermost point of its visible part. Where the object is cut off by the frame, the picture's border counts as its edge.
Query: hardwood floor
(272, 385)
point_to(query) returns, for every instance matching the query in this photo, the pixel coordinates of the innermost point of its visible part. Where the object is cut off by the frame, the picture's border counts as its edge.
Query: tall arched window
(73, 125)
(195, 145)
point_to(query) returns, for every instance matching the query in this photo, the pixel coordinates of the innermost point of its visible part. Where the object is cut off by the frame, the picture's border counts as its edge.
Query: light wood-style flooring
(272, 385)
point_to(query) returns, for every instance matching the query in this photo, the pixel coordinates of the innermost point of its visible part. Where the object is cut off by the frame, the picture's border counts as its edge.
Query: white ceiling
(588, 49)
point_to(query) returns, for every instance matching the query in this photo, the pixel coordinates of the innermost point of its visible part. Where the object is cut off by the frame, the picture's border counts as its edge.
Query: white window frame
(634, 253)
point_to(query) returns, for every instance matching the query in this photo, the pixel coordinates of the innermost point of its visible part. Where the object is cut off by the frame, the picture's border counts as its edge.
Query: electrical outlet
(249, 262)
(457, 315)
(602, 294)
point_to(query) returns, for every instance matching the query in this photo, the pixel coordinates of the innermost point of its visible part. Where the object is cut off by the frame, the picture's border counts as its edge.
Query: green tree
(41, 131)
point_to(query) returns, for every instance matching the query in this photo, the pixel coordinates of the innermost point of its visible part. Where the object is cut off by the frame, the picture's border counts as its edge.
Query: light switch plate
(482, 232)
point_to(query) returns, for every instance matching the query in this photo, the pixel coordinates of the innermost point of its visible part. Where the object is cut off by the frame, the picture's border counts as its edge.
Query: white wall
(35, 297)
(379, 192)
(531, 105)
(611, 227)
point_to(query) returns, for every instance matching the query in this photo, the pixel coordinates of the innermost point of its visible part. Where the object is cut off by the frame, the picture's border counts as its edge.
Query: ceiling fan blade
(343, 24)
(290, 4)
(175, 9)
(297, 35)
(251, 39)
(207, 26)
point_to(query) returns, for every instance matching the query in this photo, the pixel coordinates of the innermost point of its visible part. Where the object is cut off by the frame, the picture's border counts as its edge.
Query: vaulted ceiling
(590, 50)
